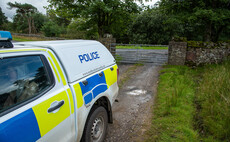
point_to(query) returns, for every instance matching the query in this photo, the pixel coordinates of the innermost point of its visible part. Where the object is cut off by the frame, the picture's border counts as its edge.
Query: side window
(21, 78)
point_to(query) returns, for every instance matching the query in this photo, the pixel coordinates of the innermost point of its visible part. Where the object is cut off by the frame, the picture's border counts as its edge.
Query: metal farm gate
(139, 55)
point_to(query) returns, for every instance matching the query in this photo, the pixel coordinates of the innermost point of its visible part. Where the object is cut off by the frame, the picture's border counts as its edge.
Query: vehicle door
(34, 103)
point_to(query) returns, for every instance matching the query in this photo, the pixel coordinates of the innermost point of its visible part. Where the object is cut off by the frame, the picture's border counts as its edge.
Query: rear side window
(22, 78)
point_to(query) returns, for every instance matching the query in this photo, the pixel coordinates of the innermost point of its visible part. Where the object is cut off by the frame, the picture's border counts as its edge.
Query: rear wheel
(96, 126)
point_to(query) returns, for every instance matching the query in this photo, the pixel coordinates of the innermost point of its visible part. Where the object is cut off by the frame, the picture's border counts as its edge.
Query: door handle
(54, 107)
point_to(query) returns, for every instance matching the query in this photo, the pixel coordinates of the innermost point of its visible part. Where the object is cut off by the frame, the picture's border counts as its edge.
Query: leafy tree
(150, 28)
(208, 17)
(78, 29)
(21, 25)
(107, 16)
(59, 19)
(51, 29)
(39, 20)
(3, 19)
(25, 11)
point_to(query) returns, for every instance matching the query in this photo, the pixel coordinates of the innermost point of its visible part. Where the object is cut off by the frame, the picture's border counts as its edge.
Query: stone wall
(177, 53)
(199, 56)
(181, 53)
(108, 41)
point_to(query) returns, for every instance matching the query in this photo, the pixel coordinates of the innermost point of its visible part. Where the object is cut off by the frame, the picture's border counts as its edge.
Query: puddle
(145, 99)
(137, 92)
(131, 87)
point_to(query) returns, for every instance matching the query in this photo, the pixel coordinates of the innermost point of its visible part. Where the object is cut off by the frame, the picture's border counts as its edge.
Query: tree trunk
(29, 24)
(215, 37)
(100, 25)
(208, 32)
(100, 31)
(33, 27)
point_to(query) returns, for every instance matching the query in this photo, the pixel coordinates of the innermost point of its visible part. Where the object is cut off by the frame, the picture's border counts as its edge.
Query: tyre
(96, 126)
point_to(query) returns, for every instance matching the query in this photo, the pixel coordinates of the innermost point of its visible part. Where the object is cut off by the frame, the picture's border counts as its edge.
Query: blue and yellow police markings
(96, 85)
(47, 121)
(71, 100)
(58, 68)
(79, 96)
(23, 127)
(89, 57)
(35, 122)
(111, 75)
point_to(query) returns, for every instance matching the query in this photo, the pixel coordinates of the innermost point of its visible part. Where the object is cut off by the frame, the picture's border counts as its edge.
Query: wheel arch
(104, 102)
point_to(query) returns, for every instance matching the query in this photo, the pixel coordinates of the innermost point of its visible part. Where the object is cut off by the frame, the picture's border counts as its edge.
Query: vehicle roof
(68, 52)
(54, 44)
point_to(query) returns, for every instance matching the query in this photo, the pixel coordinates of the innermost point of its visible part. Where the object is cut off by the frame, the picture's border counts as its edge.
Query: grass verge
(142, 47)
(192, 104)
(213, 101)
(23, 38)
(173, 110)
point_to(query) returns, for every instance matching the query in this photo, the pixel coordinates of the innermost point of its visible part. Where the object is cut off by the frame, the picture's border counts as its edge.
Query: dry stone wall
(197, 53)
(108, 41)
(199, 56)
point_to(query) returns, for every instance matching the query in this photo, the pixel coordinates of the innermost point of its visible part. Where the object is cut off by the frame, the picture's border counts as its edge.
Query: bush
(51, 29)
(150, 28)
(74, 30)
(78, 29)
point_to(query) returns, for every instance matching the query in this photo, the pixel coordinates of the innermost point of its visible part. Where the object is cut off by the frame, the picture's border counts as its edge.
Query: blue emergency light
(5, 39)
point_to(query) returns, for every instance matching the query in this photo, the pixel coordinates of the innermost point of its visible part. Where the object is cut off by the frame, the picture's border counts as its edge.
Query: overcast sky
(10, 13)
(37, 3)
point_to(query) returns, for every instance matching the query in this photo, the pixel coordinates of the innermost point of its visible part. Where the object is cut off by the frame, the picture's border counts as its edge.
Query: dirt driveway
(132, 113)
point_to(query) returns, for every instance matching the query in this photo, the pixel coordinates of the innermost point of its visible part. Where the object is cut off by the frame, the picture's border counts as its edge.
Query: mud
(132, 113)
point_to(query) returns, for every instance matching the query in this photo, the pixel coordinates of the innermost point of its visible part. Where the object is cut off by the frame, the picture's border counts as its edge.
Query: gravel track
(133, 111)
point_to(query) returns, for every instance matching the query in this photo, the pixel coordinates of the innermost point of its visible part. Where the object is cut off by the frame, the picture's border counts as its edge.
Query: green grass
(143, 47)
(23, 38)
(173, 110)
(213, 99)
(192, 104)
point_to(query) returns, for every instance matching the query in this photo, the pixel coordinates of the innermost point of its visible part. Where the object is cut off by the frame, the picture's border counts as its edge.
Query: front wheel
(96, 126)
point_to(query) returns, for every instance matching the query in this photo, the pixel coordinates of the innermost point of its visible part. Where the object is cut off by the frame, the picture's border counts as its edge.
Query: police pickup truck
(56, 91)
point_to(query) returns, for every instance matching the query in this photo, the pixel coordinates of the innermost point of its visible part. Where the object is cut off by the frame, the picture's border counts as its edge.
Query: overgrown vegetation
(198, 20)
(213, 101)
(51, 29)
(192, 104)
(149, 28)
(200, 44)
(173, 111)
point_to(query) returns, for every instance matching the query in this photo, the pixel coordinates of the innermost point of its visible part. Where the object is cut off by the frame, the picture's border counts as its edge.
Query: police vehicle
(56, 91)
